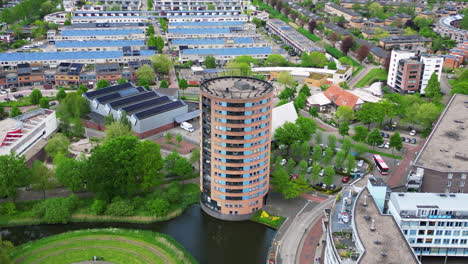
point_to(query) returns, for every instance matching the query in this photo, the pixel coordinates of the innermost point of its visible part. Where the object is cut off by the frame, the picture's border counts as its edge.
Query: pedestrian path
(309, 253)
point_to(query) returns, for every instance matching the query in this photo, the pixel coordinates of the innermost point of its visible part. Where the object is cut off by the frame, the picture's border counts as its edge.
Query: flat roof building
(236, 117)
(444, 156)
(405, 42)
(148, 112)
(291, 37)
(449, 26)
(97, 34)
(97, 45)
(223, 54)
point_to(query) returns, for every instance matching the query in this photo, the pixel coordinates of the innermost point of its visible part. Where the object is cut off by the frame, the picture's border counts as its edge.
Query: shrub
(8, 208)
(98, 207)
(72, 202)
(120, 207)
(57, 210)
(173, 192)
(158, 207)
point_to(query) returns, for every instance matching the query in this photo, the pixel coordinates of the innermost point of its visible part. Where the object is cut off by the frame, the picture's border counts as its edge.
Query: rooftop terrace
(236, 87)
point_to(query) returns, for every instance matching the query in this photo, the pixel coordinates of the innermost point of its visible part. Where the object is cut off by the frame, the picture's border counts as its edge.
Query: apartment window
(462, 183)
(449, 223)
(458, 224)
(448, 232)
(405, 231)
(421, 232)
(446, 241)
(441, 224)
(454, 241)
(412, 232)
(437, 241)
(450, 176)
(439, 232)
(420, 240)
(463, 176)
(428, 240)
(430, 232)
(431, 223)
(449, 183)
(463, 241)
(456, 233)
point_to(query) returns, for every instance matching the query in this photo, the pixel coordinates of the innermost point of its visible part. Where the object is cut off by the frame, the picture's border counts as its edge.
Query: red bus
(381, 165)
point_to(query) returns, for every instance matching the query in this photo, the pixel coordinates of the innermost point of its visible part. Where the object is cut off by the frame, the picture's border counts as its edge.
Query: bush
(158, 207)
(120, 207)
(173, 192)
(57, 210)
(8, 208)
(72, 202)
(98, 207)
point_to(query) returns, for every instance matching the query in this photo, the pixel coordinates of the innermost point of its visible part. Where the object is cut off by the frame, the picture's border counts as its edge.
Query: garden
(111, 245)
(374, 75)
(272, 221)
(176, 143)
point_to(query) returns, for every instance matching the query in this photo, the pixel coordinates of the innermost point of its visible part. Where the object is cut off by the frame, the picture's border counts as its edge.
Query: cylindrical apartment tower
(235, 146)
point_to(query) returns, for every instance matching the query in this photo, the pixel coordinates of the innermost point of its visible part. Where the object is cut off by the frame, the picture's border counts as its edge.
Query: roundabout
(117, 246)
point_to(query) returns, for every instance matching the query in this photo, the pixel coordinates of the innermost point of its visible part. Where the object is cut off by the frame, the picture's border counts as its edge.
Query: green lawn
(114, 245)
(376, 74)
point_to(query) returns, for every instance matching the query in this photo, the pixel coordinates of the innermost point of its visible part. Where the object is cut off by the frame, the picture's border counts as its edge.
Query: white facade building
(433, 224)
(395, 58)
(22, 133)
(431, 64)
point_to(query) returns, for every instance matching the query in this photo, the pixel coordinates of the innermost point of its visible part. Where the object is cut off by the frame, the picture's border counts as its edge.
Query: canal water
(209, 240)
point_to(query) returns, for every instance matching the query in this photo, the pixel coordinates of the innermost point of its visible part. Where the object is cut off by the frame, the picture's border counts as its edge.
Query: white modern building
(429, 64)
(26, 134)
(434, 224)
(198, 5)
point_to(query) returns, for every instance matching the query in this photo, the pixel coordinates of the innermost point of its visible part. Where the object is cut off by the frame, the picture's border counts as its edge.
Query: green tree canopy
(360, 133)
(344, 129)
(58, 143)
(275, 60)
(103, 83)
(344, 113)
(15, 111)
(161, 63)
(13, 174)
(395, 141)
(117, 129)
(375, 138)
(41, 178)
(210, 62)
(70, 172)
(163, 84)
(305, 90)
(35, 96)
(286, 78)
(433, 88)
(61, 94)
(145, 75)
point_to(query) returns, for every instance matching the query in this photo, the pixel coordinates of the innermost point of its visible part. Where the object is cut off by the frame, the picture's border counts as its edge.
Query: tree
(332, 65)
(426, 114)
(346, 44)
(83, 89)
(15, 111)
(287, 133)
(360, 133)
(318, 138)
(274, 60)
(117, 129)
(151, 42)
(362, 52)
(433, 88)
(102, 83)
(287, 94)
(44, 103)
(123, 165)
(375, 138)
(179, 138)
(163, 84)
(395, 142)
(61, 94)
(286, 78)
(376, 10)
(13, 174)
(160, 44)
(317, 154)
(150, 30)
(289, 188)
(347, 145)
(183, 85)
(344, 113)
(307, 126)
(58, 143)
(312, 25)
(161, 63)
(246, 59)
(334, 37)
(360, 148)
(340, 158)
(318, 59)
(329, 174)
(35, 96)
(315, 173)
(177, 165)
(350, 162)
(305, 150)
(210, 6)
(371, 113)
(290, 165)
(302, 167)
(345, 60)
(122, 81)
(6, 248)
(328, 156)
(41, 178)
(145, 75)
(70, 172)
(300, 101)
(331, 141)
(195, 156)
(210, 62)
(344, 129)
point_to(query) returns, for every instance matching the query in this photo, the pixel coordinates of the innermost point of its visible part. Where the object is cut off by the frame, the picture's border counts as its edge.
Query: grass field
(113, 245)
(372, 76)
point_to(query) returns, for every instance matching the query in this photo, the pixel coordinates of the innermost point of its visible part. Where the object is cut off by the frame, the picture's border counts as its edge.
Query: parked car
(381, 145)
(293, 177)
(309, 161)
(413, 132)
(332, 187)
(324, 186)
(387, 145)
(309, 170)
(382, 134)
(403, 139)
(319, 184)
(3, 92)
(283, 162)
(386, 135)
(413, 141)
(345, 179)
(321, 173)
(360, 163)
(407, 140)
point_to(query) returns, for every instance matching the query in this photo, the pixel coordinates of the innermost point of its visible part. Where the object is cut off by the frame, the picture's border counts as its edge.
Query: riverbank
(157, 206)
(112, 244)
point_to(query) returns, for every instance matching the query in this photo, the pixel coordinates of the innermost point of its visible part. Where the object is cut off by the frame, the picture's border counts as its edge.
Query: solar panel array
(132, 99)
(106, 98)
(128, 92)
(142, 105)
(109, 89)
(158, 110)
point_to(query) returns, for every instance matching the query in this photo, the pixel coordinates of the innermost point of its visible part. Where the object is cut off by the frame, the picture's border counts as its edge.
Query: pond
(209, 240)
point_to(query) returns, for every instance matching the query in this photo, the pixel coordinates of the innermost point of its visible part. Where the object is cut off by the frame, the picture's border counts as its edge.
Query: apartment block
(338, 10)
(405, 42)
(236, 120)
(449, 26)
(198, 5)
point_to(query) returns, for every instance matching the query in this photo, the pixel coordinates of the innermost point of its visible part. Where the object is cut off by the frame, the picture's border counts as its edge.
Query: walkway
(311, 243)
(398, 176)
(361, 75)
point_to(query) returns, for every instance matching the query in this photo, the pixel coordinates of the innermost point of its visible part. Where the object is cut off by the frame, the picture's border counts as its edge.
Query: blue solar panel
(207, 24)
(109, 89)
(229, 51)
(133, 99)
(199, 31)
(106, 98)
(98, 43)
(128, 92)
(206, 41)
(100, 32)
(76, 55)
(158, 109)
(149, 103)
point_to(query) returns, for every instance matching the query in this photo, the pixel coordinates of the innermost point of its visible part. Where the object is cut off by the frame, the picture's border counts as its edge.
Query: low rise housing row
(338, 10)
(410, 72)
(291, 37)
(456, 57)
(405, 42)
(450, 27)
(96, 34)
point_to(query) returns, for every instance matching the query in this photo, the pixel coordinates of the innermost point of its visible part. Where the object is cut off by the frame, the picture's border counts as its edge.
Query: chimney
(372, 226)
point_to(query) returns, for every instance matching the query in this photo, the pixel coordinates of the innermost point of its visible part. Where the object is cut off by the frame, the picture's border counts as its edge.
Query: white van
(187, 126)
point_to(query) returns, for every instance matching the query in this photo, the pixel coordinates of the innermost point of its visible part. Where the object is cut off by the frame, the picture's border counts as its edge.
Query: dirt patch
(184, 147)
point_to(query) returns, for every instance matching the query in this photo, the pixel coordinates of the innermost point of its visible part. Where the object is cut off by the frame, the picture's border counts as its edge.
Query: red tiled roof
(340, 96)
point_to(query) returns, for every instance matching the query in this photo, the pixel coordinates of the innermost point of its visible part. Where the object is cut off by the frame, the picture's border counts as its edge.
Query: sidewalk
(312, 245)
